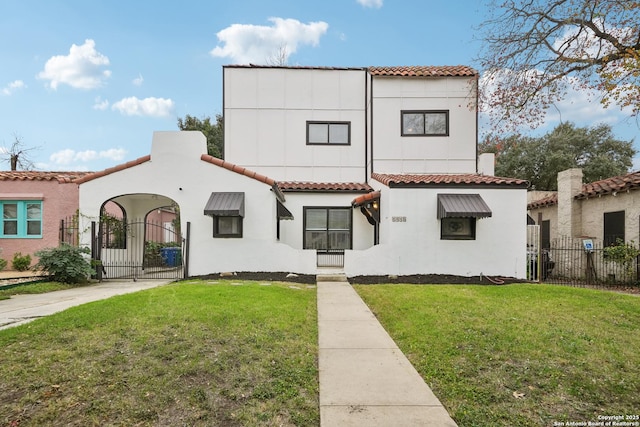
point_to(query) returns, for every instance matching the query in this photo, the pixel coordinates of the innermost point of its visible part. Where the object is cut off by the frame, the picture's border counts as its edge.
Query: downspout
(224, 104)
(366, 126)
(477, 115)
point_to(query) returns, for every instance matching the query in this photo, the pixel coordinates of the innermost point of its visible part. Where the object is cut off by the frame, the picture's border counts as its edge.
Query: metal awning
(225, 204)
(283, 212)
(462, 206)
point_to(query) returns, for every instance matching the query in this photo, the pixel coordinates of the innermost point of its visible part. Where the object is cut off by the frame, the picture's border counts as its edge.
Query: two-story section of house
(380, 162)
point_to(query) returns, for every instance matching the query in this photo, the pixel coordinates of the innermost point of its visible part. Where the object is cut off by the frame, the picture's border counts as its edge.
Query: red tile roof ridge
(63, 177)
(113, 169)
(544, 202)
(424, 71)
(615, 184)
(447, 179)
(237, 169)
(324, 186)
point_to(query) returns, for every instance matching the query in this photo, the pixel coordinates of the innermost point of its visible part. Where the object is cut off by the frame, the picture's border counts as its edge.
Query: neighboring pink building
(32, 204)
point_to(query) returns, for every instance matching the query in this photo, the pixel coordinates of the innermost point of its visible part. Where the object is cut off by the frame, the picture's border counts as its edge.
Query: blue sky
(87, 82)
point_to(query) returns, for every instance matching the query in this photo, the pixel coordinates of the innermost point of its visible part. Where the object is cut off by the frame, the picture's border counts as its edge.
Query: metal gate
(137, 250)
(533, 252)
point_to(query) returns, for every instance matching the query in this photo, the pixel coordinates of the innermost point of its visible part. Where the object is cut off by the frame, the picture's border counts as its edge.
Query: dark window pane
(339, 219)
(613, 227)
(10, 228)
(229, 225)
(315, 240)
(316, 219)
(33, 228)
(339, 239)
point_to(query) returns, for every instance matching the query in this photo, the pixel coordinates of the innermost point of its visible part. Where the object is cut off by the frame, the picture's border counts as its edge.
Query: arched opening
(138, 236)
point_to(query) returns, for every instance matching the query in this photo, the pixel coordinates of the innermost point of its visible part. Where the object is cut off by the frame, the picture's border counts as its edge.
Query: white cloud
(100, 104)
(151, 107)
(138, 80)
(371, 3)
(83, 68)
(256, 43)
(12, 87)
(69, 156)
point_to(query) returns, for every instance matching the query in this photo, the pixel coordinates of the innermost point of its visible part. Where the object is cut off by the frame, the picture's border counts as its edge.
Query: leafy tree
(535, 49)
(213, 132)
(539, 160)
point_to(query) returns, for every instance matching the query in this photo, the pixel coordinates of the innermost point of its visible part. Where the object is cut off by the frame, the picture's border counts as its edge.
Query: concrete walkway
(365, 380)
(21, 309)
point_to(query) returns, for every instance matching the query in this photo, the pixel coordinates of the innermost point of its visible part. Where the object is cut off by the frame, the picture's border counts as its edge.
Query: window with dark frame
(21, 219)
(227, 226)
(425, 123)
(327, 228)
(613, 227)
(458, 228)
(328, 133)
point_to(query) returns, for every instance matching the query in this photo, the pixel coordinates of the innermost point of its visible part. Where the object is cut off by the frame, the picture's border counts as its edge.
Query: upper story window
(329, 133)
(21, 219)
(425, 123)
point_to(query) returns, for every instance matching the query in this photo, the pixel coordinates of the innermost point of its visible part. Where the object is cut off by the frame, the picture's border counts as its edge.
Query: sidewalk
(365, 380)
(21, 309)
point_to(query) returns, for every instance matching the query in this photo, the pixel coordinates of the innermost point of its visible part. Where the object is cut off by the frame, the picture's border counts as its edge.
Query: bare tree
(280, 57)
(534, 50)
(18, 155)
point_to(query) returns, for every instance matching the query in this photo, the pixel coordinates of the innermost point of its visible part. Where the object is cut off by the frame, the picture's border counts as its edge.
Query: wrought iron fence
(573, 262)
(330, 258)
(69, 231)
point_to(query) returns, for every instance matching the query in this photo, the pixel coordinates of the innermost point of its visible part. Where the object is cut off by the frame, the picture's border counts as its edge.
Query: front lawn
(518, 355)
(194, 353)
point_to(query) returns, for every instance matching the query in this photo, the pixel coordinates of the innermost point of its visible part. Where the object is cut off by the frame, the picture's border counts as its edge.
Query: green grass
(34, 288)
(193, 353)
(573, 353)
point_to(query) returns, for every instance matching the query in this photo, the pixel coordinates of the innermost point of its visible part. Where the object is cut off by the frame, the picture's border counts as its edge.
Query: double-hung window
(425, 123)
(327, 228)
(328, 133)
(21, 219)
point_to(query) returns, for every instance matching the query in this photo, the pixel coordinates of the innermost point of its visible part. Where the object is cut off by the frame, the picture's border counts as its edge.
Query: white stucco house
(376, 166)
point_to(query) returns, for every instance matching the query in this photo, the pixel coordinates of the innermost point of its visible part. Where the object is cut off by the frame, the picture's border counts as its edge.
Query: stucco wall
(593, 211)
(394, 153)
(266, 112)
(410, 240)
(58, 201)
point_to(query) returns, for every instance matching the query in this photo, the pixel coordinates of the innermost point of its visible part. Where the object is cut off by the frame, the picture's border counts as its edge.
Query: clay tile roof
(400, 180)
(347, 187)
(544, 202)
(612, 185)
(111, 170)
(61, 177)
(425, 71)
(237, 169)
(361, 200)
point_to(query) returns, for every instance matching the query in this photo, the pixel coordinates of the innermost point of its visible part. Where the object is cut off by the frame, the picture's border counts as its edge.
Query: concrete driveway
(20, 309)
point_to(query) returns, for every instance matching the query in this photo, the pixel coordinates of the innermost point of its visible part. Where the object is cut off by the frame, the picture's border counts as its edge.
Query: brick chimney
(569, 209)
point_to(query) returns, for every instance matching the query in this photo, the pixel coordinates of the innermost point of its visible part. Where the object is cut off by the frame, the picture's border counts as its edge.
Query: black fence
(586, 263)
(69, 231)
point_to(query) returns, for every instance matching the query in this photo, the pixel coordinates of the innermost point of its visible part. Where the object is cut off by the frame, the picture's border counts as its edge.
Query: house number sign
(398, 219)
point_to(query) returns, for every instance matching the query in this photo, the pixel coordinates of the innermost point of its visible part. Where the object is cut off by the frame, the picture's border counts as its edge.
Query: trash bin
(171, 256)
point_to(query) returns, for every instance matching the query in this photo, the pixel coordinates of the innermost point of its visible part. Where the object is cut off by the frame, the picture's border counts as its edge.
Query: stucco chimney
(569, 209)
(486, 164)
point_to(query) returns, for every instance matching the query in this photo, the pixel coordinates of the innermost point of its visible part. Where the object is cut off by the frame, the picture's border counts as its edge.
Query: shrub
(66, 263)
(3, 264)
(21, 262)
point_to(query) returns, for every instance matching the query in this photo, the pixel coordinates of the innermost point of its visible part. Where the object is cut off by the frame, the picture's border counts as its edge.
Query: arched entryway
(139, 236)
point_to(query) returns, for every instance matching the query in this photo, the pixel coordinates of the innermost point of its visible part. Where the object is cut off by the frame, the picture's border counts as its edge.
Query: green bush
(3, 264)
(66, 263)
(21, 262)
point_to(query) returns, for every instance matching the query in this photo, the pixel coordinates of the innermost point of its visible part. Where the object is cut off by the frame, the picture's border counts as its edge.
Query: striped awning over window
(462, 206)
(225, 204)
